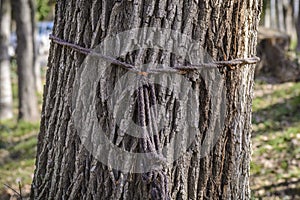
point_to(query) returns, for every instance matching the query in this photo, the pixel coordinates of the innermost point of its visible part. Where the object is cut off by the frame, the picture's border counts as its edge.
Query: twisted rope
(177, 69)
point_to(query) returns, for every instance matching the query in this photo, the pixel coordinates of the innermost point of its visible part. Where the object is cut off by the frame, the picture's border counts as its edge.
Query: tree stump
(276, 65)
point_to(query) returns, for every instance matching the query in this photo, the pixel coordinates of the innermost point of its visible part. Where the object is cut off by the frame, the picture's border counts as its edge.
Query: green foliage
(12, 128)
(43, 8)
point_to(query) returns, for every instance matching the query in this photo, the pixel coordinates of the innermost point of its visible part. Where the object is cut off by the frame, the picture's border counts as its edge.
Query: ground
(275, 165)
(17, 155)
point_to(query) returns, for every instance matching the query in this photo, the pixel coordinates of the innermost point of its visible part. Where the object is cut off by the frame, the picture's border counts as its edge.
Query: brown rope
(177, 69)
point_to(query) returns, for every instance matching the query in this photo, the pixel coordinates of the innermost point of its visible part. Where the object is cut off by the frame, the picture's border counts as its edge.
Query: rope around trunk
(182, 69)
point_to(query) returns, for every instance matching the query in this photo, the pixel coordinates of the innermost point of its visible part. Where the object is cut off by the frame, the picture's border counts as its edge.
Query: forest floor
(275, 165)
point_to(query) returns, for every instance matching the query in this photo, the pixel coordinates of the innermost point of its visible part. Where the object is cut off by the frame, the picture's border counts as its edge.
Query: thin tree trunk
(295, 6)
(6, 100)
(289, 19)
(28, 107)
(267, 16)
(36, 57)
(37, 74)
(273, 14)
(298, 29)
(280, 17)
(65, 169)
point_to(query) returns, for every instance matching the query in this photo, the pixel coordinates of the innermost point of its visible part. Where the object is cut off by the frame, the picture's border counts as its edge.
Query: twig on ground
(19, 194)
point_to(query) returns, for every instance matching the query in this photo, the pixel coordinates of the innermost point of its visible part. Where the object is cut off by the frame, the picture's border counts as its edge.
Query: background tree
(6, 100)
(36, 57)
(64, 168)
(298, 27)
(281, 15)
(22, 13)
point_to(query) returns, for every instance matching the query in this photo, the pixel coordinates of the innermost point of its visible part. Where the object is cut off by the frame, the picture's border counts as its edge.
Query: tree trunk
(289, 19)
(37, 74)
(81, 97)
(6, 100)
(28, 107)
(280, 16)
(273, 14)
(298, 29)
(36, 57)
(267, 14)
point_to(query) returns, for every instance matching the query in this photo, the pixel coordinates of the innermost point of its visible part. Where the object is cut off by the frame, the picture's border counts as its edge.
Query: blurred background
(24, 49)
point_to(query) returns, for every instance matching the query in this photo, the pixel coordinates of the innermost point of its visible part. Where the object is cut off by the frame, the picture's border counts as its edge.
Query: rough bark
(6, 100)
(226, 30)
(28, 107)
